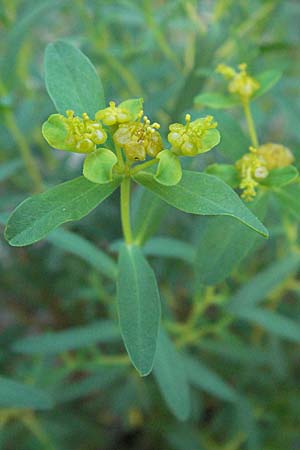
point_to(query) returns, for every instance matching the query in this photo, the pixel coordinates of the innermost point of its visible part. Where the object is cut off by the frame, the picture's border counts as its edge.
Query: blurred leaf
(9, 168)
(14, 394)
(139, 307)
(226, 172)
(271, 321)
(261, 285)
(205, 379)
(170, 374)
(223, 244)
(267, 80)
(72, 81)
(200, 193)
(280, 177)
(55, 342)
(34, 218)
(185, 437)
(234, 142)
(71, 391)
(77, 245)
(170, 248)
(215, 100)
(289, 199)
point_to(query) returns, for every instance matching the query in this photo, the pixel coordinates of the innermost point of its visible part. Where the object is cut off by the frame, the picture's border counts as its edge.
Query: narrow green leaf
(34, 218)
(170, 248)
(169, 170)
(267, 80)
(200, 193)
(103, 379)
(98, 166)
(9, 168)
(281, 177)
(205, 379)
(149, 210)
(217, 101)
(263, 284)
(223, 243)
(170, 374)
(72, 81)
(55, 342)
(289, 199)
(14, 394)
(77, 245)
(139, 307)
(226, 172)
(272, 321)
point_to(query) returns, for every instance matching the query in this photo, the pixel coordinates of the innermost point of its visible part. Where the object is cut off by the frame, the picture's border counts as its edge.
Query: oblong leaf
(204, 378)
(98, 166)
(71, 80)
(34, 218)
(267, 80)
(223, 243)
(281, 177)
(170, 375)
(139, 307)
(77, 245)
(169, 170)
(56, 342)
(262, 284)
(14, 394)
(200, 193)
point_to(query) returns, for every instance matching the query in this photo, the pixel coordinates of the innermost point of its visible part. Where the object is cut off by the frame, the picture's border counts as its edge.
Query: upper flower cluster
(239, 82)
(255, 166)
(191, 138)
(134, 137)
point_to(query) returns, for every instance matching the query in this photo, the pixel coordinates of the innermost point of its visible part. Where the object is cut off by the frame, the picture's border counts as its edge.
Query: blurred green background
(166, 52)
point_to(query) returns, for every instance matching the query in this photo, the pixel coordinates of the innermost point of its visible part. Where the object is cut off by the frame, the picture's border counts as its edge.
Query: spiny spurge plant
(123, 146)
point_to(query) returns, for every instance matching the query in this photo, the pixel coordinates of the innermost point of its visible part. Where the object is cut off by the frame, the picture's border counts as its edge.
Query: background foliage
(238, 332)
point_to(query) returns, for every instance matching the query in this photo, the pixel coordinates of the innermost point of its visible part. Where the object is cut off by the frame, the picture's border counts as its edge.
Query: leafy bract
(98, 166)
(71, 80)
(139, 307)
(134, 105)
(200, 193)
(169, 170)
(34, 218)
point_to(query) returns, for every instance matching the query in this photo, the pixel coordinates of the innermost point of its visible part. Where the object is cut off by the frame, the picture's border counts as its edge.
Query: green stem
(143, 166)
(250, 123)
(125, 210)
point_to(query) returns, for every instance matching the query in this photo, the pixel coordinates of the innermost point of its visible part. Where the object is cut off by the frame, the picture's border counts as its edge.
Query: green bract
(98, 166)
(169, 170)
(55, 132)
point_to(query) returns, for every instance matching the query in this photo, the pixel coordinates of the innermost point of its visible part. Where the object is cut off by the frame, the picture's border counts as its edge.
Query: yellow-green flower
(275, 155)
(251, 168)
(240, 82)
(194, 137)
(73, 133)
(113, 115)
(139, 139)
